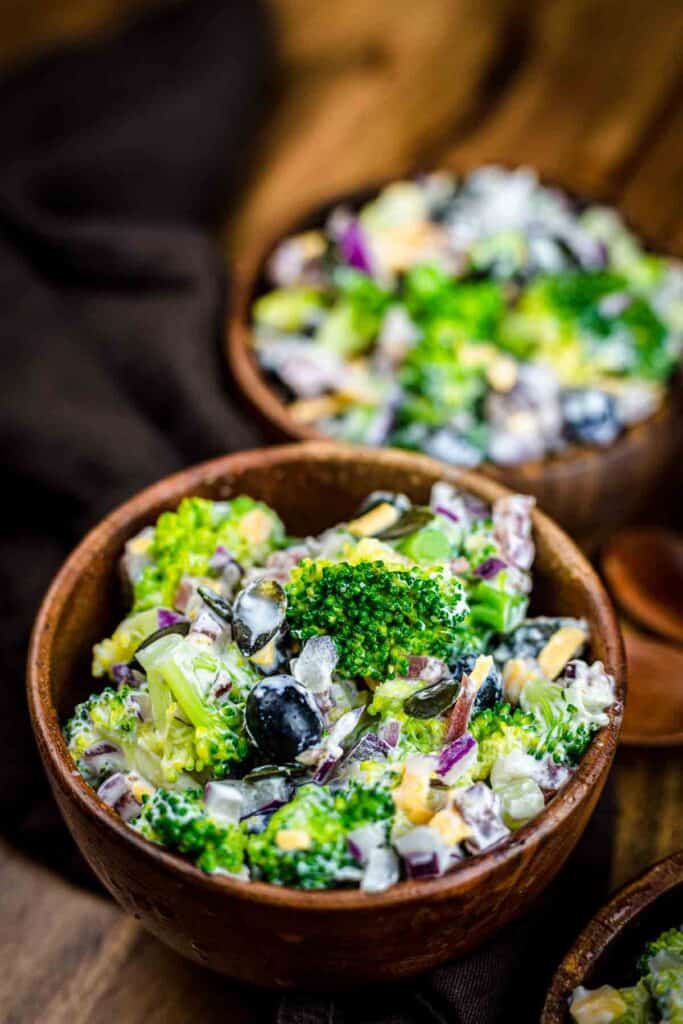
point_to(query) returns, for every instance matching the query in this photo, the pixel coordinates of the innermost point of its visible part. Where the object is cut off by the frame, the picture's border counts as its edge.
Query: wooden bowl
(589, 491)
(258, 932)
(606, 951)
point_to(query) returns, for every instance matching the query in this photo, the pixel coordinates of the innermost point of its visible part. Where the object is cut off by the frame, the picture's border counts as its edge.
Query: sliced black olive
(268, 771)
(182, 628)
(282, 718)
(218, 605)
(433, 699)
(258, 615)
(401, 502)
(414, 519)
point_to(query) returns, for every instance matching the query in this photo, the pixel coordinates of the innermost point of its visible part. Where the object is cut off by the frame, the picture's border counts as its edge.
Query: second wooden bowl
(258, 932)
(607, 950)
(590, 492)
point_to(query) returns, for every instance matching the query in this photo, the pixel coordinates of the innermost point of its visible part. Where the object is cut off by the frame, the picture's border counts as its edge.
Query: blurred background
(589, 92)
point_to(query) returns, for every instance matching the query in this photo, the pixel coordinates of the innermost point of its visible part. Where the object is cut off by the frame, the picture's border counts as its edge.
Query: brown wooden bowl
(258, 932)
(606, 951)
(589, 491)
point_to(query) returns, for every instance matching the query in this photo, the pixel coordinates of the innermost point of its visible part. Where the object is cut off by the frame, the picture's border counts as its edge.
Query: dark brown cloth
(117, 158)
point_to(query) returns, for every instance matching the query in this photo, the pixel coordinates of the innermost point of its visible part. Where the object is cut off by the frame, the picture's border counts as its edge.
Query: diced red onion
(424, 852)
(382, 870)
(366, 838)
(354, 247)
(128, 807)
(480, 807)
(124, 675)
(457, 758)
(390, 732)
(208, 625)
(167, 618)
(113, 789)
(443, 511)
(490, 568)
(264, 795)
(369, 748)
(427, 668)
(103, 757)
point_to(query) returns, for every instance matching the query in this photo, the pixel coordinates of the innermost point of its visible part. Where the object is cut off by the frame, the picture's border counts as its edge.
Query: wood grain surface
(591, 92)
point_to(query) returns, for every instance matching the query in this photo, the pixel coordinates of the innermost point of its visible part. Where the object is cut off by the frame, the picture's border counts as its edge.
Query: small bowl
(589, 491)
(606, 951)
(257, 932)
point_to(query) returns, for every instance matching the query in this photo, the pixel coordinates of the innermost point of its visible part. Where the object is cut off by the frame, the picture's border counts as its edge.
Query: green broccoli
(125, 640)
(639, 1004)
(355, 319)
(180, 822)
(498, 731)
(663, 962)
(560, 731)
(109, 715)
(185, 540)
(670, 941)
(377, 615)
(305, 842)
(418, 735)
(557, 311)
(181, 673)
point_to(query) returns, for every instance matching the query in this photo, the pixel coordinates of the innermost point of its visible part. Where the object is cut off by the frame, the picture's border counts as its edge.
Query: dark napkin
(116, 160)
(118, 156)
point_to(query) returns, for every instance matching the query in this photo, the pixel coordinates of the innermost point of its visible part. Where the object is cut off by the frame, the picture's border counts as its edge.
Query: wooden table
(588, 91)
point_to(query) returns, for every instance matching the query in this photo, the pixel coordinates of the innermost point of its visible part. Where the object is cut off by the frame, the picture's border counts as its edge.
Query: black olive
(401, 502)
(282, 718)
(433, 699)
(491, 690)
(258, 615)
(218, 605)
(411, 521)
(182, 628)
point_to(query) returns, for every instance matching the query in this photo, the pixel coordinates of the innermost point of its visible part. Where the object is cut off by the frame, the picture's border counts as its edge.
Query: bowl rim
(60, 769)
(606, 927)
(265, 399)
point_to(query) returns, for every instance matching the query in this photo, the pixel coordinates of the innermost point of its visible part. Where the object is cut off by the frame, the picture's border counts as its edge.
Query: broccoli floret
(563, 319)
(375, 614)
(111, 715)
(639, 1005)
(185, 540)
(355, 319)
(179, 821)
(498, 731)
(182, 674)
(122, 644)
(663, 962)
(305, 842)
(418, 735)
(561, 732)
(670, 941)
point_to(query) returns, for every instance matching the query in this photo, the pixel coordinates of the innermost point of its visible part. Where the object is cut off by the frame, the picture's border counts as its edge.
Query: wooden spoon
(644, 570)
(653, 716)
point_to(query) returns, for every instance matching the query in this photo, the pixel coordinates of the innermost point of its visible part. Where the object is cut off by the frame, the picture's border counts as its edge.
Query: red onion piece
(462, 709)
(354, 247)
(456, 758)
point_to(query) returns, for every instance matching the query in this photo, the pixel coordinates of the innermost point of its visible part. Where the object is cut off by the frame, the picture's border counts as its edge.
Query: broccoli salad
(657, 996)
(343, 710)
(484, 318)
